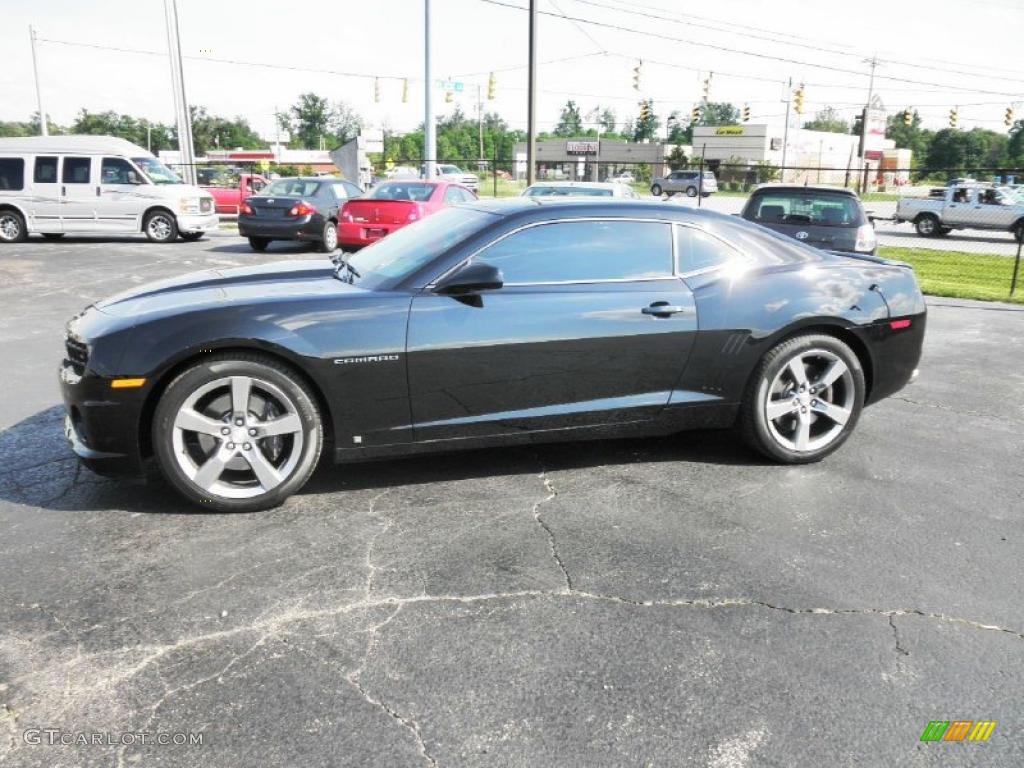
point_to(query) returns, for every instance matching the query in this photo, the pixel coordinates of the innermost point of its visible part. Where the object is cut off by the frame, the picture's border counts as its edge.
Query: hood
(287, 279)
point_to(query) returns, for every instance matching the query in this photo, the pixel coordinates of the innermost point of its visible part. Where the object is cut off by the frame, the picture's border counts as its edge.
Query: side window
(353, 190)
(76, 170)
(114, 170)
(46, 170)
(583, 251)
(452, 195)
(340, 191)
(699, 250)
(12, 173)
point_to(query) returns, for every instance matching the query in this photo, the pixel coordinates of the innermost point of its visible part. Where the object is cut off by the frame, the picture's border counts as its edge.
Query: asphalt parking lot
(655, 602)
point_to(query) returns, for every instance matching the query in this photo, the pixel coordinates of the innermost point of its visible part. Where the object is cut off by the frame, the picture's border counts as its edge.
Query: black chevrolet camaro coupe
(488, 324)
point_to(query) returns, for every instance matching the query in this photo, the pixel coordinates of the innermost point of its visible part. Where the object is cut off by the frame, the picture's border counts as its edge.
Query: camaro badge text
(367, 359)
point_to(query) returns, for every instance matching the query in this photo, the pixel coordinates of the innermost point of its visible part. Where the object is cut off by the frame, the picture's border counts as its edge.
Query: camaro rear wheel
(804, 399)
(237, 433)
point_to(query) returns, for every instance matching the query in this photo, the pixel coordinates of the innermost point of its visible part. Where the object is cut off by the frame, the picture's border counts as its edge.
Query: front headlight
(188, 205)
(866, 240)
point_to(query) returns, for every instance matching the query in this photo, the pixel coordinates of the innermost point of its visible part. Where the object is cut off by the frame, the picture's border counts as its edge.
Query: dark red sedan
(392, 205)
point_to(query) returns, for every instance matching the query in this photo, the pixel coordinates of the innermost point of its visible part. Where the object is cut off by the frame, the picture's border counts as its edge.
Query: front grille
(78, 355)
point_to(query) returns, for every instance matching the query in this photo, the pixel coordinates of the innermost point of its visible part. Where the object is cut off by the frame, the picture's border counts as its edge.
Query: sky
(933, 55)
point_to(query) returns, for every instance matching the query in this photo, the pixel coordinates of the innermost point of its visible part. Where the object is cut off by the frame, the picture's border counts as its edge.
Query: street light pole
(785, 130)
(531, 100)
(429, 128)
(184, 119)
(43, 129)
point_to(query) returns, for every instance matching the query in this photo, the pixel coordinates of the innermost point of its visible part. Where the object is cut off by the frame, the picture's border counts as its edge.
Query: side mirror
(472, 278)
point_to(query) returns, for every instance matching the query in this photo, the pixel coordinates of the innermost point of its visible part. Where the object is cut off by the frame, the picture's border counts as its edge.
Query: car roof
(578, 184)
(597, 206)
(779, 186)
(79, 143)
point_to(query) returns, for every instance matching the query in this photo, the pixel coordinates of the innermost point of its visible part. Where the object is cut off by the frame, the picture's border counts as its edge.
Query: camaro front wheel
(237, 433)
(804, 399)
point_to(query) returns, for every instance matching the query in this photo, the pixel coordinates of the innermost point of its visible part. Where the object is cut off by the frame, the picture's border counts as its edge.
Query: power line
(727, 49)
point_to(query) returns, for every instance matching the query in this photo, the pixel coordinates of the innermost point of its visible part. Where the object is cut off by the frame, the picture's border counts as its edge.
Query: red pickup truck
(228, 199)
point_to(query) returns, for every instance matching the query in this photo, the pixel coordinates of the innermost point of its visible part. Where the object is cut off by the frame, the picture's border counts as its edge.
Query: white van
(91, 185)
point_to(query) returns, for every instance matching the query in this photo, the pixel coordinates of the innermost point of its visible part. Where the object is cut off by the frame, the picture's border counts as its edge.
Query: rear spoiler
(873, 259)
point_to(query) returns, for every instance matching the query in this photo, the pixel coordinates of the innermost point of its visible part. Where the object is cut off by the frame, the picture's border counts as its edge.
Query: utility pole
(873, 61)
(43, 129)
(184, 118)
(785, 130)
(531, 99)
(429, 128)
(480, 121)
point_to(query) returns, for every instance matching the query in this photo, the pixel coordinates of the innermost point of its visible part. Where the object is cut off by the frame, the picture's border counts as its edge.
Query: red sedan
(392, 205)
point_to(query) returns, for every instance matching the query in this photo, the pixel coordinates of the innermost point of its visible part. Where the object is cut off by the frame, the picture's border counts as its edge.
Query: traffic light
(636, 74)
(908, 118)
(405, 90)
(707, 86)
(954, 117)
(492, 84)
(376, 89)
(798, 99)
(1008, 120)
(645, 111)
(695, 114)
(746, 113)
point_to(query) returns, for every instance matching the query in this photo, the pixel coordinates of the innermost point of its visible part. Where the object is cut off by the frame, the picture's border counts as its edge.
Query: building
(590, 159)
(318, 160)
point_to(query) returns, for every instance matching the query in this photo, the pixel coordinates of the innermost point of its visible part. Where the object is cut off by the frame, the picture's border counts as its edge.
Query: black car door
(591, 327)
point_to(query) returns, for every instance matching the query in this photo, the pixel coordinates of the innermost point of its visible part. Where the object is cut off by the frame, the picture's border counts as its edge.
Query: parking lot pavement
(639, 602)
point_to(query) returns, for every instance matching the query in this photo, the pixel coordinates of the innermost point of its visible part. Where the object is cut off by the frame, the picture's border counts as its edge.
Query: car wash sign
(581, 147)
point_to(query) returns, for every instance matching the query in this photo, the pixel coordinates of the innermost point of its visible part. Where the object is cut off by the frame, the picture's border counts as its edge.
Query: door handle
(662, 309)
(97, 190)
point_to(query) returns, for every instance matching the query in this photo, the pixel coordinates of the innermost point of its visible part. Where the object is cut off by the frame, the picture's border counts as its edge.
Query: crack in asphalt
(1001, 417)
(552, 542)
(896, 637)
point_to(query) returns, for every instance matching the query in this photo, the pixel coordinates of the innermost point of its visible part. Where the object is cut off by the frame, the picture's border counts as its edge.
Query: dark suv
(831, 218)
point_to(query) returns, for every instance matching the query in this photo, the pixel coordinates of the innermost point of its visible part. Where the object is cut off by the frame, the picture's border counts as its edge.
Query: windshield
(815, 207)
(416, 191)
(449, 169)
(157, 172)
(408, 249)
(568, 192)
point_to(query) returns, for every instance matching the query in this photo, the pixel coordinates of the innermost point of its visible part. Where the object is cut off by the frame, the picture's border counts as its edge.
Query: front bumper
(197, 222)
(102, 424)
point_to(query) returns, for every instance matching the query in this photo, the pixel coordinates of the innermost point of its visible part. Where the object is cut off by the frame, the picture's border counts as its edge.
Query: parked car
(393, 205)
(296, 209)
(455, 175)
(688, 182)
(626, 177)
(92, 185)
(964, 206)
(492, 323)
(228, 199)
(581, 189)
(401, 172)
(825, 217)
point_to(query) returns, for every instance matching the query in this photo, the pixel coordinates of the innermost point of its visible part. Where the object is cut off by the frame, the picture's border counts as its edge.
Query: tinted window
(452, 195)
(396, 190)
(290, 188)
(341, 191)
(117, 171)
(46, 170)
(12, 173)
(699, 250)
(807, 207)
(76, 170)
(582, 251)
(353, 190)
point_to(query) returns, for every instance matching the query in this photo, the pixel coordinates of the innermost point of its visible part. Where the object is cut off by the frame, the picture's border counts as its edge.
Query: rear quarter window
(811, 207)
(12, 174)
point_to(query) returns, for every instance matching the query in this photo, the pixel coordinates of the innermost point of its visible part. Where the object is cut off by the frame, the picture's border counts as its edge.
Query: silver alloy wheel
(159, 226)
(238, 437)
(810, 401)
(926, 226)
(330, 237)
(10, 227)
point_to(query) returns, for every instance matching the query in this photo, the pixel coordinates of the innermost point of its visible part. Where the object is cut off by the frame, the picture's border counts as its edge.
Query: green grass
(961, 275)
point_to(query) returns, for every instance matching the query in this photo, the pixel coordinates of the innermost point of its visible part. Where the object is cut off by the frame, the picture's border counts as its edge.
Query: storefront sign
(729, 130)
(581, 147)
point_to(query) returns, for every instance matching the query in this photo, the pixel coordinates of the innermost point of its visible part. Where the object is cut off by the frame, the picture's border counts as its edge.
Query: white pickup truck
(964, 206)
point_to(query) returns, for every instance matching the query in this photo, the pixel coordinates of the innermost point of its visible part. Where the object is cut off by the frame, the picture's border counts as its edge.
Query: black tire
(52, 235)
(160, 226)
(769, 437)
(191, 237)
(258, 243)
(12, 227)
(691, 191)
(297, 452)
(943, 231)
(656, 190)
(328, 242)
(927, 225)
